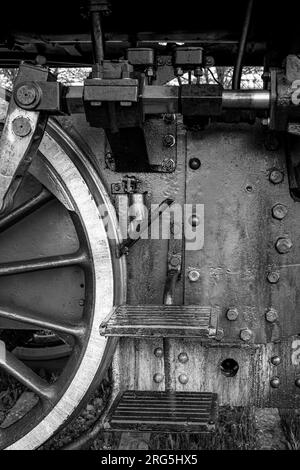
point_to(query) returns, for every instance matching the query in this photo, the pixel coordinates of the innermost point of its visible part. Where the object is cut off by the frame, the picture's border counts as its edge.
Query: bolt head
(232, 314)
(193, 275)
(275, 382)
(21, 126)
(175, 261)
(194, 220)
(279, 211)
(271, 315)
(246, 334)
(275, 360)
(158, 378)
(297, 382)
(194, 163)
(183, 357)
(27, 96)
(169, 140)
(183, 379)
(276, 176)
(273, 277)
(283, 245)
(158, 352)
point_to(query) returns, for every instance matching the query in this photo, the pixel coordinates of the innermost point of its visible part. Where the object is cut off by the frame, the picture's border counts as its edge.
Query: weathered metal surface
(164, 411)
(161, 321)
(240, 234)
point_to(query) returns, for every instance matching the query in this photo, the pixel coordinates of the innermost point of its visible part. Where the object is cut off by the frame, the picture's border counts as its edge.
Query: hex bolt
(193, 275)
(169, 140)
(26, 95)
(275, 382)
(271, 315)
(158, 352)
(21, 126)
(175, 261)
(276, 176)
(183, 379)
(297, 382)
(183, 357)
(273, 277)
(283, 245)
(232, 314)
(279, 211)
(194, 163)
(275, 360)
(168, 165)
(246, 334)
(158, 378)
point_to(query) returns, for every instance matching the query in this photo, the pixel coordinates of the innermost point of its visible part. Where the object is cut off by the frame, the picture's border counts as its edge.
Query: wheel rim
(67, 173)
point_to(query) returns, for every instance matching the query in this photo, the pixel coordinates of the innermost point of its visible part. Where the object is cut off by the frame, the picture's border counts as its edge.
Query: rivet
(183, 379)
(275, 382)
(275, 360)
(194, 220)
(158, 378)
(169, 140)
(276, 176)
(246, 334)
(158, 352)
(279, 211)
(194, 163)
(183, 357)
(193, 275)
(273, 277)
(283, 245)
(271, 315)
(232, 314)
(297, 382)
(21, 126)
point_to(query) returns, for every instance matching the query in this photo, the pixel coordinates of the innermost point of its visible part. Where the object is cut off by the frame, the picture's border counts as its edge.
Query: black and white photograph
(149, 229)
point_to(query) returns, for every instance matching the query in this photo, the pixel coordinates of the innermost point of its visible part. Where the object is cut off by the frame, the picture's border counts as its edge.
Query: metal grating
(163, 411)
(161, 321)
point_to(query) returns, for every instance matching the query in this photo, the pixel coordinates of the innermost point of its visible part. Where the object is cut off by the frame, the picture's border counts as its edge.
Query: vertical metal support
(22, 133)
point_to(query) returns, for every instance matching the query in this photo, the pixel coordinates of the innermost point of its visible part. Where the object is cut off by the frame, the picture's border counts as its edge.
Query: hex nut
(193, 275)
(271, 315)
(246, 334)
(279, 211)
(183, 357)
(283, 245)
(232, 314)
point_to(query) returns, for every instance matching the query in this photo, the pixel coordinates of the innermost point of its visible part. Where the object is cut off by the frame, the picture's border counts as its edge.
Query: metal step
(162, 321)
(163, 411)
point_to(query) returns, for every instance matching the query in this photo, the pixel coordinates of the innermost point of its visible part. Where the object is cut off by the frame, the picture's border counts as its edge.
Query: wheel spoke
(38, 264)
(25, 209)
(42, 322)
(16, 368)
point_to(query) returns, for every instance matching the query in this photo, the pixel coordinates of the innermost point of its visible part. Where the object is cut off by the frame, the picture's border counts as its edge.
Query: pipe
(246, 99)
(237, 72)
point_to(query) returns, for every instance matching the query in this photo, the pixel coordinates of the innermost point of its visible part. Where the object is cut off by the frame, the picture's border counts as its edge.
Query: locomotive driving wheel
(58, 274)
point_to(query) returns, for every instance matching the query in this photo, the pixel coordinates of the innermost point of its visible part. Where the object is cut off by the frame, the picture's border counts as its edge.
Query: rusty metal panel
(240, 232)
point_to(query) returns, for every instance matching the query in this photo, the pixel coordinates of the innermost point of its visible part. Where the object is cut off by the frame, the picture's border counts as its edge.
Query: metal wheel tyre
(59, 273)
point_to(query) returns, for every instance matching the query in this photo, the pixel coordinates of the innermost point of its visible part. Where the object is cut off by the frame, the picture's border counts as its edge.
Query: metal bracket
(22, 134)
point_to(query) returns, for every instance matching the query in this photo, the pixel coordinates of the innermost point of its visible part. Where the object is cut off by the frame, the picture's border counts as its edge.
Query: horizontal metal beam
(165, 99)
